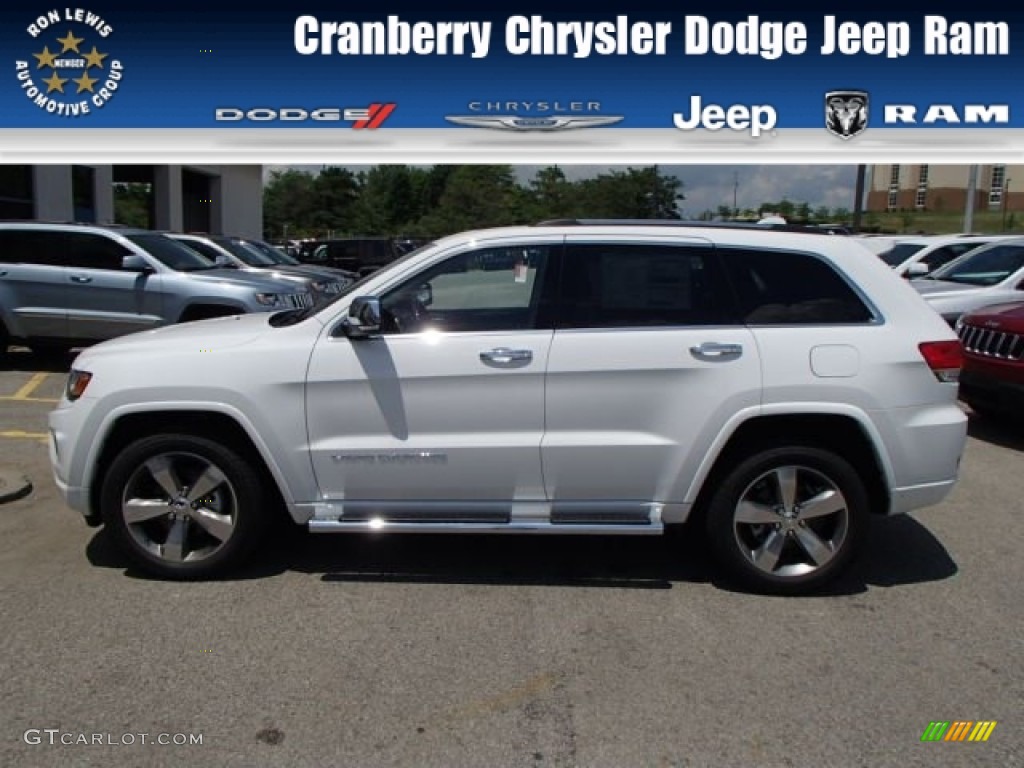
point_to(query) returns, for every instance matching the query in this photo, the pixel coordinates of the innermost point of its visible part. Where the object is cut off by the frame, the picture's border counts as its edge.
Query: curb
(13, 486)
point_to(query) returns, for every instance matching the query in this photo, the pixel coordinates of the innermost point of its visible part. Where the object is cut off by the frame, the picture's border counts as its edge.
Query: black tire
(781, 542)
(178, 542)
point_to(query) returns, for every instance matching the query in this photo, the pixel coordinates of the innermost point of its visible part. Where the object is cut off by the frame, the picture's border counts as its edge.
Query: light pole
(1006, 199)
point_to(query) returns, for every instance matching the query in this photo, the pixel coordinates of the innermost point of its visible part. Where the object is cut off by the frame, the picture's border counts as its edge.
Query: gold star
(84, 83)
(45, 58)
(55, 83)
(95, 59)
(70, 43)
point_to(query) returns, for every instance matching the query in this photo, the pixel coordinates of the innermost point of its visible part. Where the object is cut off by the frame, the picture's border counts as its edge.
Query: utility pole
(972, 187)
(858, 197)
(735, 194)
(1005, 196)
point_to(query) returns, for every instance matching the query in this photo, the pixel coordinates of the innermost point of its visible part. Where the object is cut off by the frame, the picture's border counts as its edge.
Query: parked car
(774, 389)
(238, 253)
(991, 274)
(361, 255)
(992, 381)
(920, 256)
(64, 285)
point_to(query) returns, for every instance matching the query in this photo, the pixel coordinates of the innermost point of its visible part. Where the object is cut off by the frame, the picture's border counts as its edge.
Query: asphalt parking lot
(490, 651)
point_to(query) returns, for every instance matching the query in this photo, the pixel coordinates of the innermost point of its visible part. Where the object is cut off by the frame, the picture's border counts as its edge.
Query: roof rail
(808, 229)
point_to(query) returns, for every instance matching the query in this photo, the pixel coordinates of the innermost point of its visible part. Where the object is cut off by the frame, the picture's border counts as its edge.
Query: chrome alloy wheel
(791, 521)
(179, 507)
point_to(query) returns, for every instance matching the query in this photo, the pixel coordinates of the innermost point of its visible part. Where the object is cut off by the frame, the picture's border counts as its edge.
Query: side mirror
(917, 269)
(135, 263)
(363, 317)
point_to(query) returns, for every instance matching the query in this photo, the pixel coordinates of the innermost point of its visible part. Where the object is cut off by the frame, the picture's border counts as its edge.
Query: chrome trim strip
(337, 526)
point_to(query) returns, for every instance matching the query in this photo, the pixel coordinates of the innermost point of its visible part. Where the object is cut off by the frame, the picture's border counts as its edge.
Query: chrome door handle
(716, 350)
(505, 356)
(80, 279)
(3, 273)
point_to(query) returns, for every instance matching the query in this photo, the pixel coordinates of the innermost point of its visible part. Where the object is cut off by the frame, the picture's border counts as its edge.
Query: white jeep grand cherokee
(575, 378)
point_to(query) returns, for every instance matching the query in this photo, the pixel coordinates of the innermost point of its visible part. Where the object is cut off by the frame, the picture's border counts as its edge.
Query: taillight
(945, 358)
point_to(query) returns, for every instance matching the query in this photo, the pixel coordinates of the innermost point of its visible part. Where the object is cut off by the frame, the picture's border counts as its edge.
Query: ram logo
(908, 114)
(846, 113)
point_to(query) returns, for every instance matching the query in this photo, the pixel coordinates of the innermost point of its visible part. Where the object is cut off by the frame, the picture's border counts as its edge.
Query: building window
(894, 187)
(921, 197)
(997, 186)
(83, 192)
(16, 190)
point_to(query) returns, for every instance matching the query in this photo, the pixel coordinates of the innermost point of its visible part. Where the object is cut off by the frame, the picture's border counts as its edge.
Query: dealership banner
(407, 82)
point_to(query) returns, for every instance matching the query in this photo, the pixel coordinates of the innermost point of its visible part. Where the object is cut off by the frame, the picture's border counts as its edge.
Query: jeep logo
(753, 118)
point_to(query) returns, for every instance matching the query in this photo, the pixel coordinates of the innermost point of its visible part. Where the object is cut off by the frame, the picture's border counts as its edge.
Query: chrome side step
(533, 527)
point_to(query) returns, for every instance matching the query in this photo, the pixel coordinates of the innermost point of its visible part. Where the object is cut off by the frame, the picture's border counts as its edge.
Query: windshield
(241, 250)
(290, 316)
(170, 253)
(276, 254)
(986, 266)
(900, 253)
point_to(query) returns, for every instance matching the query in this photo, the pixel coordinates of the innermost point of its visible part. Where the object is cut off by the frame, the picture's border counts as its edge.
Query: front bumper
(999, 394)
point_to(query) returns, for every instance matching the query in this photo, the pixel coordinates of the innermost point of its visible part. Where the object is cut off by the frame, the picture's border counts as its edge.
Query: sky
(708, 186)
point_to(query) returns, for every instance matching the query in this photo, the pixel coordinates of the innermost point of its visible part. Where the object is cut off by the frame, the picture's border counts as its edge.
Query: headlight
(959, 324)
(270, 299)
(77, 382)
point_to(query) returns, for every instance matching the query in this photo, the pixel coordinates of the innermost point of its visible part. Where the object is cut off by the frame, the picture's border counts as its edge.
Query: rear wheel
(788, 520)
(183, 506)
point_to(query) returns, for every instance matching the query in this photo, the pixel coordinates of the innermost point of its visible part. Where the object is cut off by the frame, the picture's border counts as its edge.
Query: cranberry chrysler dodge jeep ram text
(776, 387)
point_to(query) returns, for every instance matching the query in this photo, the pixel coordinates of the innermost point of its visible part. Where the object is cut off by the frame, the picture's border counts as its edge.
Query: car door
(440, 416)
(647, 363)
(104, 300)
(33, 285)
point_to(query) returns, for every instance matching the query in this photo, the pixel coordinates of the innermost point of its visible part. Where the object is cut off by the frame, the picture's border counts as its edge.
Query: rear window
(900, 253)
(785, 288)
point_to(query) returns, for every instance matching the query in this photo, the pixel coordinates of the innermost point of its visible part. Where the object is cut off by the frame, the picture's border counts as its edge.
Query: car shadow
(1004, 432)
(20, 359)
(899, 551)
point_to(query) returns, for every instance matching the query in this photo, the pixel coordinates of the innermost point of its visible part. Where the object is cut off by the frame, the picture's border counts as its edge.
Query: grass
(933, 222)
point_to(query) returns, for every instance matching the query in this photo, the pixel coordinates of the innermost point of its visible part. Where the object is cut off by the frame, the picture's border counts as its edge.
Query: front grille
(332, 289)
(990, 342)
(299, 300)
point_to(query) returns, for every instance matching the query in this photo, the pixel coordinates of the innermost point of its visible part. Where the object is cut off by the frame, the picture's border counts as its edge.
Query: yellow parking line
(26, 391)
(31, 399)
(42, 437)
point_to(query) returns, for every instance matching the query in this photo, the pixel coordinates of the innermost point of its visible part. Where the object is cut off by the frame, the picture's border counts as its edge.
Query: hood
(256, 279)
(1003, 317)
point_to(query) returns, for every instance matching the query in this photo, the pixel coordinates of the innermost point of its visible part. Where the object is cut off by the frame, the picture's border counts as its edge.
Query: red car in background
(992, 380)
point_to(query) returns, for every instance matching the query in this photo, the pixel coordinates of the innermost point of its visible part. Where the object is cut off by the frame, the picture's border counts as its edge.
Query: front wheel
(183, 506)
(788, 520)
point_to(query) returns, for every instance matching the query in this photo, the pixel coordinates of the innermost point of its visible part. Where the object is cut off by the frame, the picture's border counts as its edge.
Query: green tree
(842, 215)
(821, 214)
(475, 196)
(724, 212)
(802, 212)
(335, 192)
(636, 193)
(287, 204)
(551, 194)
(133, 204)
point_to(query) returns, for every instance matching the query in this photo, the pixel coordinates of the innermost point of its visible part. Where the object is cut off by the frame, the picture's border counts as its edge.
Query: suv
(920, 256)
(68, 285)
(993, 375)
(775, 388)
(362, 255)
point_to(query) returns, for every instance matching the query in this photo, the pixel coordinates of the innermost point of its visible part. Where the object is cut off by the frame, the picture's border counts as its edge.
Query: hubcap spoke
(206, 482)
(767, 556)
(161, 469)
(218, 526)
(174, 546)
(825, 503)
(752, 513)
(141, 510)
(819, 551)
(786, 478)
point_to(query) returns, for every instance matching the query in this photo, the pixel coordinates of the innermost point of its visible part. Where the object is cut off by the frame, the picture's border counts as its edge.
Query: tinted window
(22, 246)
(88, 251)
(780, 288)
(206, 250)
(170, 252)
(251, 256)
(900, 253)
(493, 289)
(618, 286)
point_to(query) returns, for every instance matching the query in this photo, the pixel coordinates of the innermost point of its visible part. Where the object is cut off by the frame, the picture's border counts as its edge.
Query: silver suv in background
(775, 389)
(225, 251)
(66, 285)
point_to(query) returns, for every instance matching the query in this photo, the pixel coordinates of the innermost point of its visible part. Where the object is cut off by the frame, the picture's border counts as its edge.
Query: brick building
(944, 188)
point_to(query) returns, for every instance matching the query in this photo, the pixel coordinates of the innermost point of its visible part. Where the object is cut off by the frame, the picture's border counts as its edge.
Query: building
(944, 188)
(223, 199)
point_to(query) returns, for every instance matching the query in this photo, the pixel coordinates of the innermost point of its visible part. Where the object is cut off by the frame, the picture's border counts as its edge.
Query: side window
(492, 289)
(87, 251)
(782, 288)
(944, 255)
(208, 252)
(621, 286)
(23, 246)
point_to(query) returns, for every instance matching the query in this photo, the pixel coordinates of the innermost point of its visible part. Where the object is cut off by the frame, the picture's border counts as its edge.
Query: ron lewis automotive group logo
(70, 71)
